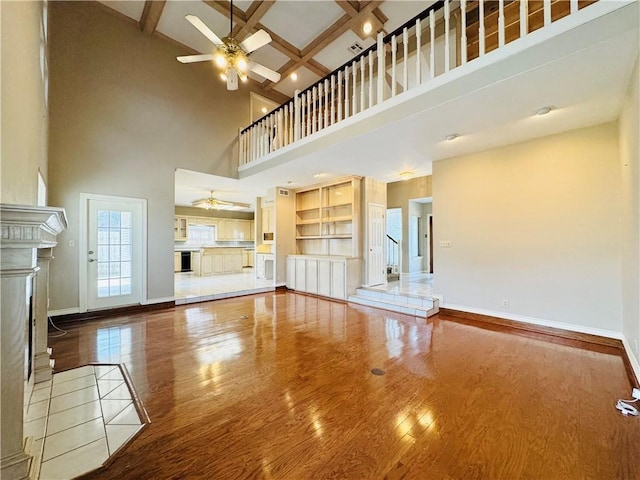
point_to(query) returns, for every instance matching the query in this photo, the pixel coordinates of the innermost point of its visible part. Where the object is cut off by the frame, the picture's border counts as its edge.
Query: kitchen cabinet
(180, 228)
(217, 261)
(268, 222)
(329, 276)
(264, 266)
(177, 262)
(247, 258)
(230, 229)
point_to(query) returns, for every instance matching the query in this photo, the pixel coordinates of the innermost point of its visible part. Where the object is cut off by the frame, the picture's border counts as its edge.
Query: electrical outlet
(505, 303)
(635, 393)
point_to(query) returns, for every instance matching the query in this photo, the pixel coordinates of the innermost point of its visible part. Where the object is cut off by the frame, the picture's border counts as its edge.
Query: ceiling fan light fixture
(220, 59)
(223, 76)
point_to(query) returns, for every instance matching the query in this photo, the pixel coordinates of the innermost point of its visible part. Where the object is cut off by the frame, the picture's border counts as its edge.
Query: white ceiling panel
(299, 23)
(399, 11)
(305, 78)
(337, 53)
(243, 4)
(173, 24)
(131, 8)
(269, 57)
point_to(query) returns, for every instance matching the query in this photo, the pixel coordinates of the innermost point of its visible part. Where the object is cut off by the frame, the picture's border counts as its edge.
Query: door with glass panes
(114, 253)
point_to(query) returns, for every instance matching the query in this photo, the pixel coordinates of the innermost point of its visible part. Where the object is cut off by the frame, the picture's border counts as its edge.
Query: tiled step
(396, 302)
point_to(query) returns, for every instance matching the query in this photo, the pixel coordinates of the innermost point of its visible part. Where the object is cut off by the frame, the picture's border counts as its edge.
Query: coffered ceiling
(309, 38)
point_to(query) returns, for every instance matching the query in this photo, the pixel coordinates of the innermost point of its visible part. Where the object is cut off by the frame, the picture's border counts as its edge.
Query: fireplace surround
(28, 235)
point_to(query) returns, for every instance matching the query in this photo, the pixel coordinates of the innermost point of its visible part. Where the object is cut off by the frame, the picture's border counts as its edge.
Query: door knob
(90, 252)
(92, 260)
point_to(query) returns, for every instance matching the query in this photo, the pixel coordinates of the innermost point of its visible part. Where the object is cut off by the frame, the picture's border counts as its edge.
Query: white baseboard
(63, 311)
(537, 321)
(152, 301)
(631, 356)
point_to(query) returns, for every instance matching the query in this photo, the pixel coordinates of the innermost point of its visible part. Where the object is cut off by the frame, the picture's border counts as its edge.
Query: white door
(114, 254)
(376, 269)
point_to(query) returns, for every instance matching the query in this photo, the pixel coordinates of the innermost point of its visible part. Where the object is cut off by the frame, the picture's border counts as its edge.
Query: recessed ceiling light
(294, 76)
(367, 27)
(544, 111)
(406, 175)
(263, 109)
(451, 136)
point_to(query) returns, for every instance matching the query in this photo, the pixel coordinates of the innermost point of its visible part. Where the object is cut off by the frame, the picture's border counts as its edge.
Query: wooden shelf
(328, 218)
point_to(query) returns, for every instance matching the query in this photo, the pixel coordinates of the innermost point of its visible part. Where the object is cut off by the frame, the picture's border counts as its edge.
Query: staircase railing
(393, 255)
(445, 36)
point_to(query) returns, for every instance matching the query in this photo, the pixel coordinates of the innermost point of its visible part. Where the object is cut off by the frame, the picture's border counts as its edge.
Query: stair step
(394, 302)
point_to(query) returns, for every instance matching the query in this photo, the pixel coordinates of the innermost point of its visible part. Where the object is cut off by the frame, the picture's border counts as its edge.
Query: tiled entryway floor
(91, 414)
(190, 288)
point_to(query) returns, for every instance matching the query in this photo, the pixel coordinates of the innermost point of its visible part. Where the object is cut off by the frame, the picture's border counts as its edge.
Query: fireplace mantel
(24, 230)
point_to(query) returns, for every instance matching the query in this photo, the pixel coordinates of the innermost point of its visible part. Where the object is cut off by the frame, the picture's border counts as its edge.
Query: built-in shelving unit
(327, 218)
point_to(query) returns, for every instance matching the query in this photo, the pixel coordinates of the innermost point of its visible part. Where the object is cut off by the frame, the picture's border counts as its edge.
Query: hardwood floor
(279, 386)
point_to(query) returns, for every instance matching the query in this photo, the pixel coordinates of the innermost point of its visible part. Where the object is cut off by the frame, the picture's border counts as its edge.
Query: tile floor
(83, 416)
(190, 288)
(420, 284)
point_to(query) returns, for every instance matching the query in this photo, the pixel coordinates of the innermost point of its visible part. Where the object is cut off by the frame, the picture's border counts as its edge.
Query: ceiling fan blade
(255, 41)
(195, 58)
(206, 31)
(264, 72)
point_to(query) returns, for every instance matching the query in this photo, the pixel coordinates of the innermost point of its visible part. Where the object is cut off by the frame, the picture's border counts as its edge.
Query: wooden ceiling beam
(151, 15)
(254, 13)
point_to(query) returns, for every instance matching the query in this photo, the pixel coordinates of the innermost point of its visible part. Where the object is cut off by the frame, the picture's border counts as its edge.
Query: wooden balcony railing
(444, 36)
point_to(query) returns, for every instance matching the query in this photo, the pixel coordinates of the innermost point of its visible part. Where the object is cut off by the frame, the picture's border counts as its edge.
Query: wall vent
(356, 48)
(283, 192)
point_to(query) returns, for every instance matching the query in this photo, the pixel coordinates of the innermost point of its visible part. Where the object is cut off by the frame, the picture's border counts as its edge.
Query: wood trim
(597, 343)
(151, 15)
(254, 13)
(110, 312)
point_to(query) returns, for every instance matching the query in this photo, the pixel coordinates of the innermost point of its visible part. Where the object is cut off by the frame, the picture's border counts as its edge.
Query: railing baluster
(285, 126)
(280, 129)
(314, 115)
(574, 6)
(524, 18)
(309, 117)
(418, 52)
(547, 12)
(346, 91)
(362, 106)
(291, 122)
(270, 135)
(296, 115)
(339, 95)
(432, 55)
(326, 103)
(405, 58)
(393, 65)
(381, 69)
(370, 78)
(333, 99)
(447, 14)
(320, 105)
(481, 29)
(463, 15)
(501, 32)
(354, 91)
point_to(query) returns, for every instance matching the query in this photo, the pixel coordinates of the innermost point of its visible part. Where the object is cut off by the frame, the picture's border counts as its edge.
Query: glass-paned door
(114, 253)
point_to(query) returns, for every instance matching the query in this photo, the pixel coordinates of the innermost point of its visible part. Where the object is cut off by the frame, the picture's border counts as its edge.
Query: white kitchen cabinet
(177, 261)
(329, 276)
(264, 266)
(180, 228)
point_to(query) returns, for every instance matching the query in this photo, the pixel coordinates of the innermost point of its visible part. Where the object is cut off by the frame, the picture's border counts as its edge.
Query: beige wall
(24, 109)
(124, 115)
(630, 174)
(537, 224)
(399, 195)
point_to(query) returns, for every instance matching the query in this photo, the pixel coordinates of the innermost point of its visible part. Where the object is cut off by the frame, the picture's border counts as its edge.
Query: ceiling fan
(212, 203)
(230, 56)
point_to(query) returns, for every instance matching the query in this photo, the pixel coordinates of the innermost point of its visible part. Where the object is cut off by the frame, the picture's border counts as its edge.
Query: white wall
(630, 175)
(537, 224)
(24, 107)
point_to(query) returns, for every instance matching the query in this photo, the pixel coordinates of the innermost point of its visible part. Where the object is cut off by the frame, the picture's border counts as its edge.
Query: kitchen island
(217, 261)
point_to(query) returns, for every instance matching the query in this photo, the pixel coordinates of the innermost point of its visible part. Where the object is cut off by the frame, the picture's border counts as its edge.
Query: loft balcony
(445, 72)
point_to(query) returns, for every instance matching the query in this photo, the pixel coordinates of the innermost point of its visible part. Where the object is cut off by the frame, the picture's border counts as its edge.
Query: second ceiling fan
(232, 57)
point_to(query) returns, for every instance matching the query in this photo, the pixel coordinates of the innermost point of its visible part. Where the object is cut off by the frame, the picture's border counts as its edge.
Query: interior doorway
(394, 243)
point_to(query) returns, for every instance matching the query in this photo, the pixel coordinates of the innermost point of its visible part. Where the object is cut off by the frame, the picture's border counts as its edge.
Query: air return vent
(356, 48)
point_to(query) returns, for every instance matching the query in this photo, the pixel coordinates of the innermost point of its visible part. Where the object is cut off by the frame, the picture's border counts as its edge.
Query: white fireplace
(28, 237)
